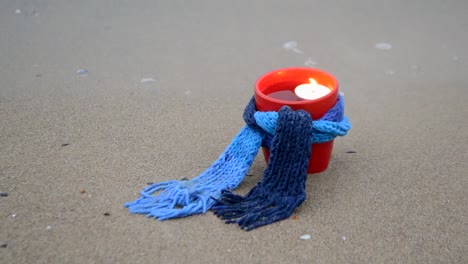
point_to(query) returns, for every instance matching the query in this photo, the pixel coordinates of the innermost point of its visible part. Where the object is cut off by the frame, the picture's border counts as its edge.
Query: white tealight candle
(311, 91)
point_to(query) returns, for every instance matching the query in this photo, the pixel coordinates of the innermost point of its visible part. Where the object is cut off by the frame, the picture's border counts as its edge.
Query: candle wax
(311, 91)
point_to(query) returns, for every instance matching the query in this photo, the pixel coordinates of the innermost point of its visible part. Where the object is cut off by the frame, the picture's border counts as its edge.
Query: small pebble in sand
(18, 11)
(149, 183)
(82, 191)
(3, 194)
(351, 152)
(383, 46)
(82, 72)
(390, 72)
(295, 217)
(106, 214)
(306, 237)
(65, 144)
(147, 80)
(344, 238)
(49, 227)
(291, 46)
(3, 244)
(310, 62)
(13, 215)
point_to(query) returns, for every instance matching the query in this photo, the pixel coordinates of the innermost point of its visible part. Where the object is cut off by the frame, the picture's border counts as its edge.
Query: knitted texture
(282, 188)
(325, 129)
(180, 198)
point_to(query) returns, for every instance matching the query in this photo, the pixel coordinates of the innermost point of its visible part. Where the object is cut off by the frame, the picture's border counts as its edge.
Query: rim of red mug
(271, 74)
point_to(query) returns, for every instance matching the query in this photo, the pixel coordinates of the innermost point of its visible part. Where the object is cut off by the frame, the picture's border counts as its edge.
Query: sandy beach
(98, 98)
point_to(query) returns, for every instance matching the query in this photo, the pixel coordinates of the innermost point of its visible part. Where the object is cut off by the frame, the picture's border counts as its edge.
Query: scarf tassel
(289, 135)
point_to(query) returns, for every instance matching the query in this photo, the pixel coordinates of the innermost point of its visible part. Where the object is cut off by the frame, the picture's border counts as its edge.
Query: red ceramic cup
(288, 79)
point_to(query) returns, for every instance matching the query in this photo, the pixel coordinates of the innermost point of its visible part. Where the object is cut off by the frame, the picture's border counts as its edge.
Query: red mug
(288, 79)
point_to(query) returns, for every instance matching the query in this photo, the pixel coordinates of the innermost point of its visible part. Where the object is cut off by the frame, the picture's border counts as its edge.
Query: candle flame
(313, 81)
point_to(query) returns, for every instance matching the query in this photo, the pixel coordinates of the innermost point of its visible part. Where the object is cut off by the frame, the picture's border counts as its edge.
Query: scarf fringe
(183, 198)
(282, 188)
(253, 212)
(265, 203)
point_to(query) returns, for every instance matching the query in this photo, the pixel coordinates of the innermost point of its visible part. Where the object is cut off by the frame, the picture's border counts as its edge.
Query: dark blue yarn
(282, 188)
(288, 135)
(249, 115)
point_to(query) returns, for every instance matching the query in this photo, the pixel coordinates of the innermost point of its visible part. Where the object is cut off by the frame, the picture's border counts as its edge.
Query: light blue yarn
(183, 198)
(194, 196)
(329, 126)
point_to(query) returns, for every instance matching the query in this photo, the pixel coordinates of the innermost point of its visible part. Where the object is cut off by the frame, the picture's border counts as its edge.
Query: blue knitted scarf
(289, 136)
